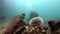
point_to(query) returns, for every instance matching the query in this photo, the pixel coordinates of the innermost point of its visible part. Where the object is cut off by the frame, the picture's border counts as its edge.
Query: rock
(15, 24)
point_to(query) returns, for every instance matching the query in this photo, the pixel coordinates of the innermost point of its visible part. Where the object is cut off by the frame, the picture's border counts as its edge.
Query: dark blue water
(47, 9)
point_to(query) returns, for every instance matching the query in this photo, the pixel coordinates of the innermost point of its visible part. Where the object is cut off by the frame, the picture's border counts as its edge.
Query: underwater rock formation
(17, 23)
(33, 14)
(20, 30)
(35, 26)
(54, 26)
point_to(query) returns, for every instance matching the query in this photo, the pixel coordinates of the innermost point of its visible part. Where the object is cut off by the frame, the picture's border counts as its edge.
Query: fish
(2, 17)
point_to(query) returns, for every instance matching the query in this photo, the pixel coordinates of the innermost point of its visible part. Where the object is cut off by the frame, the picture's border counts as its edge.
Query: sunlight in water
(29, 3)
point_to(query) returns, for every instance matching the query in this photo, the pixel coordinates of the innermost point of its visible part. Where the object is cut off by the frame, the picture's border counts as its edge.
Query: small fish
(2, 17)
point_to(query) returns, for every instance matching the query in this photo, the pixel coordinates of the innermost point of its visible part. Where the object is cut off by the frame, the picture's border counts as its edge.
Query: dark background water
(47, 9)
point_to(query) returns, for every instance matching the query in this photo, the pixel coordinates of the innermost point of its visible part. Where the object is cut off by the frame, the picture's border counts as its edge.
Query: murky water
(46, 9)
